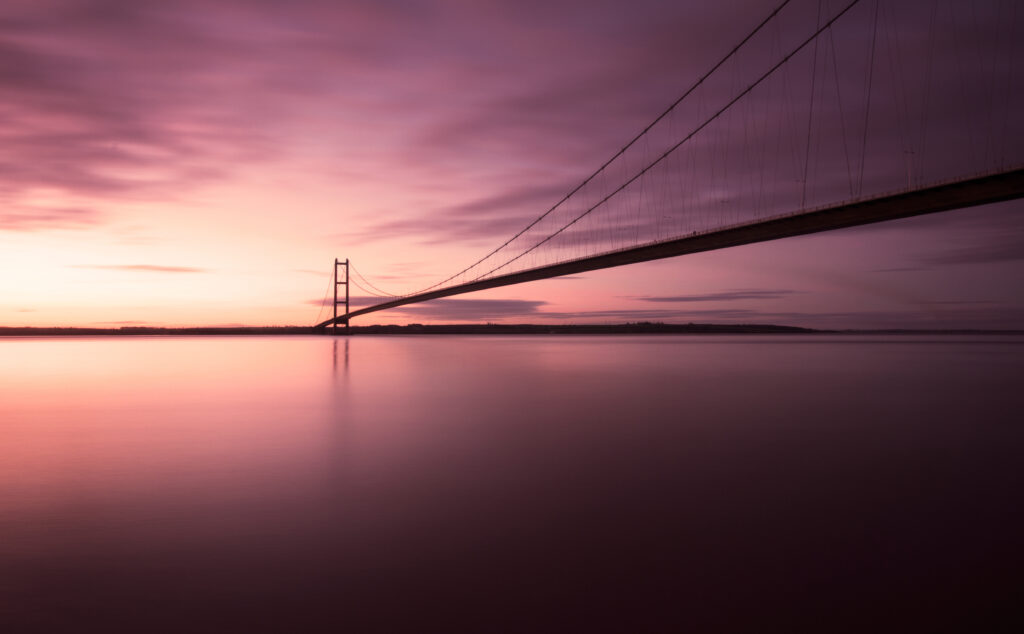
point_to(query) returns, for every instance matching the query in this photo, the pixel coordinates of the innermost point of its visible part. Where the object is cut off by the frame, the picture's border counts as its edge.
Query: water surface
(521, 483)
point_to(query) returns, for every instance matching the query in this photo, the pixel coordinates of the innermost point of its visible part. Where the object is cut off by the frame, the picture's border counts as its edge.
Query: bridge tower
(337, 283)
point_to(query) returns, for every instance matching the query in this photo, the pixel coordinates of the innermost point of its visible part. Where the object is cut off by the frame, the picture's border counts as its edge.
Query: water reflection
(238, 484)
(340, 430)
(334, 358)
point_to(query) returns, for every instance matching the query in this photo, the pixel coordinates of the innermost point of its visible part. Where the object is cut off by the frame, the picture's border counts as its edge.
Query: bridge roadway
(968, 192)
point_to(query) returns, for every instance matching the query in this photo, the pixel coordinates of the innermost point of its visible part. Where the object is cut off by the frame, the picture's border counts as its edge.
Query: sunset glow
(190, 163)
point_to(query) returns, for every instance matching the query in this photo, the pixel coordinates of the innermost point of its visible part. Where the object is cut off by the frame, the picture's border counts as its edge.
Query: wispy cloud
(725, 296)
(146, 268)
(453, 309)
(123, 322)
(496, 216)
(38, 219)
(627, 314)
(999, 249)
(471, 309)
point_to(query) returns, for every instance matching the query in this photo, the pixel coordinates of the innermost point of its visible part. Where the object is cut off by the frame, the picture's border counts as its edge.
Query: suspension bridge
(824, 115)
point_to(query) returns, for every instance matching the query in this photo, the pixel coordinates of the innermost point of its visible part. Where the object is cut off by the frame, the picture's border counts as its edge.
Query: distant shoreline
(482, 329)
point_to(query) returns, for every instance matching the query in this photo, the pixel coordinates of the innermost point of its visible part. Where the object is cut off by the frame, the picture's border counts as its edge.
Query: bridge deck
(979, 190)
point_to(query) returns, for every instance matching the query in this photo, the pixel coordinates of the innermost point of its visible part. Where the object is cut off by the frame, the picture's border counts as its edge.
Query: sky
(203, 163)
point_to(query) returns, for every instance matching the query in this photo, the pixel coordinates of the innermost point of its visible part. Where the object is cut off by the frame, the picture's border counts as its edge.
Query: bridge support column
(338, 283)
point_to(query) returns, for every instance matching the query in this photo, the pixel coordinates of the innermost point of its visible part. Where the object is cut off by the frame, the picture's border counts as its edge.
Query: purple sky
(183, 163)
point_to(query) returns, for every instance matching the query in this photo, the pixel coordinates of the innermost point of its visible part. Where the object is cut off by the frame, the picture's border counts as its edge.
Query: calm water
(638, 483)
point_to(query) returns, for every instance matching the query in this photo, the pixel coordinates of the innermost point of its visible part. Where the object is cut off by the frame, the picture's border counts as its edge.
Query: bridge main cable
(677, 145)
(697, 84)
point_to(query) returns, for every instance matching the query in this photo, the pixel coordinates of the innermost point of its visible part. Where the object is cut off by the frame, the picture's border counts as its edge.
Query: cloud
(727, 296)
(471, 309)
(959, 303)
(997, 251)
(991, 236)
(40, 219)
(448, 309)
(145, 98)
(123, 322)
(115, 99)
(627, 314)
(494, 216)
(147, 268)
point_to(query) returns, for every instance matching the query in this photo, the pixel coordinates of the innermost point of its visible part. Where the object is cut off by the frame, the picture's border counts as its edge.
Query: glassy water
(561, 483)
